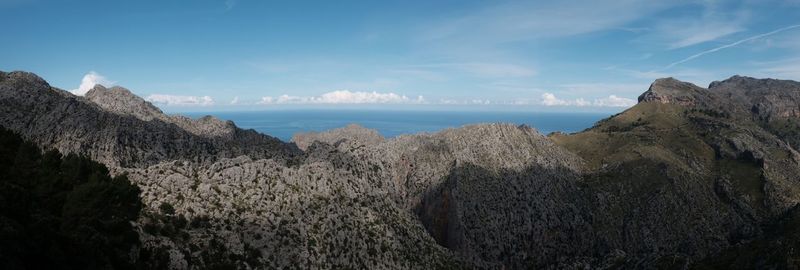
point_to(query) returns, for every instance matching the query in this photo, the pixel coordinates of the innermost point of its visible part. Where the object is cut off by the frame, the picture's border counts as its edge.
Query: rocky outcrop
(54, 118)
(121, 101)
(767, 99)
(353, 133)
(669, 90)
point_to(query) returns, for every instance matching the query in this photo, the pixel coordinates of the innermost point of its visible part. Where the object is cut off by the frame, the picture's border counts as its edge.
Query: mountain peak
(671, 90)
(25, 77)
(121, 101)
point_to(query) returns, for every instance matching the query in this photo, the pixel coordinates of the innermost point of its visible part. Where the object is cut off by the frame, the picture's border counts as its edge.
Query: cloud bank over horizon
(176, 100)
(343, 97)
(550, 100)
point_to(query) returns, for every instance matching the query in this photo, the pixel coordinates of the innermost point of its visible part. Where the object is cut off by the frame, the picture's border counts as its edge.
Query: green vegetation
(62, 212)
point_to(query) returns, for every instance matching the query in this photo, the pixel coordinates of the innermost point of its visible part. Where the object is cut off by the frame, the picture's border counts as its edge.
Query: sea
(285, 123)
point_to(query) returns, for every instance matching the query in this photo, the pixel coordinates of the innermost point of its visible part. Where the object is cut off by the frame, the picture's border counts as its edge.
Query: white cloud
(266, 100)
(235, 100)
(465, 102)
(344, 97)
(549, 99)
(173, 100)
(614, 101)
(593, 88)
(89, 81)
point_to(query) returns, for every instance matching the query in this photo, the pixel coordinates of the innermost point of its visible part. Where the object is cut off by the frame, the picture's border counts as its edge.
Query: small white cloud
(89, 81)
(344, 97)
(614, 101)
(172, 100)
(549, 99)
(235, 100)
(265, 101)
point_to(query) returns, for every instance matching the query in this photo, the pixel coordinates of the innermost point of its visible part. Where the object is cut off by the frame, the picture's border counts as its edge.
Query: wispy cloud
(712, 24)
(614, 101)
(696, 34)
(344, 97)
(89, 81)
(781, 69)
(549, 99)
(235, 100)
(481, 69)
(175, 100)
(695, 56)
(537, 19)
(465, 102)
(594, 88)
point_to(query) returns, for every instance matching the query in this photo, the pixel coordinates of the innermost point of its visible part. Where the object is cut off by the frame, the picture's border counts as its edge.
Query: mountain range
(690, 177)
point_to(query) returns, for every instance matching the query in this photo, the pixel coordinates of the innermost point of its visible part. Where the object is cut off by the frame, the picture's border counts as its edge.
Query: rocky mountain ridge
(689, 177)
(121, 101)
(54, 118)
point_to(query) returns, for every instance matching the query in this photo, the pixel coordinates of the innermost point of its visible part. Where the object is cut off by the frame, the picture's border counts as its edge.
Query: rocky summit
(689, 178)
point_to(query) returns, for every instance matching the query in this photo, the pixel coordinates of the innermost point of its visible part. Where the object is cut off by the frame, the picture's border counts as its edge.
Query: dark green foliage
(62, 212)
(166, 209)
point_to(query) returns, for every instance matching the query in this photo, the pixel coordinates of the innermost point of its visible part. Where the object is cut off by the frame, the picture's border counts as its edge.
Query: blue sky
(529, 55)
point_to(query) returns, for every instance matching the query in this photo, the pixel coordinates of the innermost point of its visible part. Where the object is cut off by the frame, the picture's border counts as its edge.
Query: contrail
(687, 59)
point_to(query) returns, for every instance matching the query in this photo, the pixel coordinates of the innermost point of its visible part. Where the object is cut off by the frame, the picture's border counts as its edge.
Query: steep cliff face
(773, 104)
(57, 119)
(766, 98)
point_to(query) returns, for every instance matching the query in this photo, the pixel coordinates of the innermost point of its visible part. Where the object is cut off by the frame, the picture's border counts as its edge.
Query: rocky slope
(689, 177)
(685, 174)
(121, 101)
(119, 131)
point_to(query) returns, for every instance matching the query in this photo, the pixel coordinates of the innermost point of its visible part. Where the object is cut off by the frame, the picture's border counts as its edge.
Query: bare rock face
(773, 104)
(468, 185)
(121, 101)
(669, 90)
(352, 132)
(54, 118)
(314, 216)
(768, 98)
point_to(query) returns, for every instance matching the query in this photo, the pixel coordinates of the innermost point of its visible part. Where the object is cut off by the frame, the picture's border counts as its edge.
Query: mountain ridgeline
(689, 178)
